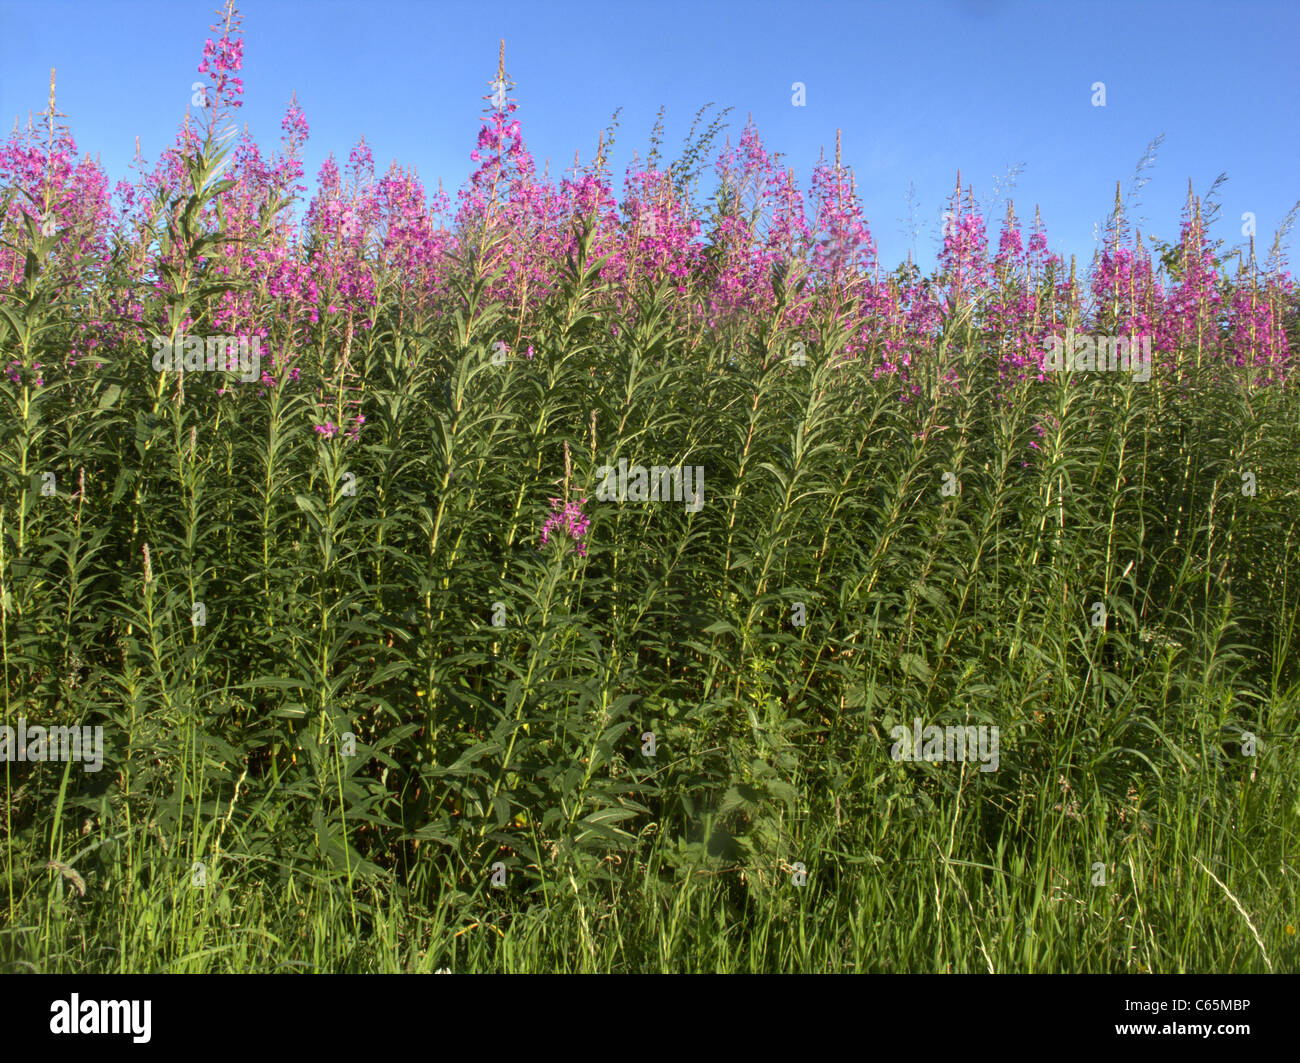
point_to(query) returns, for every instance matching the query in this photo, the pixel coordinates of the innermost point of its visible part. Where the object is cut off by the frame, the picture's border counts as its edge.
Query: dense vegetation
(362, 638)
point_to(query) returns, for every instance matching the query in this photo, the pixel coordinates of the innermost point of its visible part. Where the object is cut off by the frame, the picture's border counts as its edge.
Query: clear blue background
(920, 88)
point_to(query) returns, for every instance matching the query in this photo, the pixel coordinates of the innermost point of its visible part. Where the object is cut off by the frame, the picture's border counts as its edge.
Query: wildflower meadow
(583, 573)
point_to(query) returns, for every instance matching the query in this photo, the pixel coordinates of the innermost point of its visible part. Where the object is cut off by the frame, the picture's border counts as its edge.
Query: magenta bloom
(573, 521)
(223, 59)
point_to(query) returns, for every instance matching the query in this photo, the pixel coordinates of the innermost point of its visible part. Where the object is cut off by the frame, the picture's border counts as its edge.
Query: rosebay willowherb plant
(355, 718)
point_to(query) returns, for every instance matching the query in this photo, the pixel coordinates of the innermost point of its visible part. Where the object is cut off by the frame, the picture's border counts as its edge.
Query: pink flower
(575, 523)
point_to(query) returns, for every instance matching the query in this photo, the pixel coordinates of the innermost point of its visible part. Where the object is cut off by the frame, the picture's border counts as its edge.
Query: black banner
(143, 1012)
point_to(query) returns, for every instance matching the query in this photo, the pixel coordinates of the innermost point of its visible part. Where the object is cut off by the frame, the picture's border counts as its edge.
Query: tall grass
(945, 552)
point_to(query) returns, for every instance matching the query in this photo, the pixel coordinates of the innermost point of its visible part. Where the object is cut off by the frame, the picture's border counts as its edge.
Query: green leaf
(913, 664)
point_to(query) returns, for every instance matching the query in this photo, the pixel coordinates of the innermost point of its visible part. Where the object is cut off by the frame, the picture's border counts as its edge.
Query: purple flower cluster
(571, 520)
(767, 248)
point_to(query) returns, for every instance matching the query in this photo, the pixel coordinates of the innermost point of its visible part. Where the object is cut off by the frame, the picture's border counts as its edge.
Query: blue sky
(920, 88)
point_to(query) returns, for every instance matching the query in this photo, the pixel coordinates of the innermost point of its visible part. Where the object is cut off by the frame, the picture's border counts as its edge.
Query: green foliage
(350, 591)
